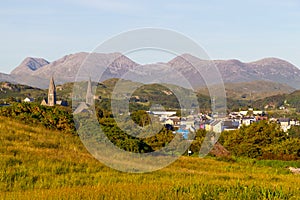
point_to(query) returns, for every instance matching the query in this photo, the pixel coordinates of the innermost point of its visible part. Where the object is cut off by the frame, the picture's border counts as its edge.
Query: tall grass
(36, 163)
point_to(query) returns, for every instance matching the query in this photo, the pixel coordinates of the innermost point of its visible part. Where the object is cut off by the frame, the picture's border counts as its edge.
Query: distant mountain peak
(274, 62)
(231, 62)
(186, 57)
(30, 64)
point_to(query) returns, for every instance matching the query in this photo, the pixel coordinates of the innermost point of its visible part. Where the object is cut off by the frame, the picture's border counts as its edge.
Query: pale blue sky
(245, 30)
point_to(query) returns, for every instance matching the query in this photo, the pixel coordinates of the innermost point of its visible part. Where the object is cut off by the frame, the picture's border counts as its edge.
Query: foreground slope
(36, 163)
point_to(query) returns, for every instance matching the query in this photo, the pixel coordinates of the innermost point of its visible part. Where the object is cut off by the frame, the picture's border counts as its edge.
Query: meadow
(37, 163)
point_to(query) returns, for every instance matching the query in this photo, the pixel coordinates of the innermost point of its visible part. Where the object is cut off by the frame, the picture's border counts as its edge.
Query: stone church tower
(52, 100)
(51, 93)
(89, 98)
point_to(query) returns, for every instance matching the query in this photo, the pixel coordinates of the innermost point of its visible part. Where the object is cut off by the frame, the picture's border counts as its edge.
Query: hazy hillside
(6, 77)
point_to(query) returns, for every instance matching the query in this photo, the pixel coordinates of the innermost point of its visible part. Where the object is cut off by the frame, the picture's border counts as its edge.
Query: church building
(89, 99)
(51, 101)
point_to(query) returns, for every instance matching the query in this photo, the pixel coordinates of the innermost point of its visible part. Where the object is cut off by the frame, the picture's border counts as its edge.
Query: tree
(294, 132)
(254, 140)
(141, 118)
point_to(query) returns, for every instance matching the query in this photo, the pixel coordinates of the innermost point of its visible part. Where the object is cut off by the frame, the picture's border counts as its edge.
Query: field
(37, 163)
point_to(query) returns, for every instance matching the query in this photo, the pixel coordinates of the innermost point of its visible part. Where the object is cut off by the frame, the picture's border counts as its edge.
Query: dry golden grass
(40, 164)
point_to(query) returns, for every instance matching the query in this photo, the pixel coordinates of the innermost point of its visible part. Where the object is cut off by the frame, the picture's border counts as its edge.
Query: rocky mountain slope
(234, 71)
(269, 69)
(37, 71)
(29, 65)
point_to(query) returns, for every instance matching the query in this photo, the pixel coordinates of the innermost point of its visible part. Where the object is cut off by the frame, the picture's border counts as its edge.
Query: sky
(247, 30)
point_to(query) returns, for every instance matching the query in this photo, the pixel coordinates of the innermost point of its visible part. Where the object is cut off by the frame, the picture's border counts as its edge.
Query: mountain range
(180, 70)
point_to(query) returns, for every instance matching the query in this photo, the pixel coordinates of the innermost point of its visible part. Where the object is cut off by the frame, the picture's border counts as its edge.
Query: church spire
(51, 93)
(89, 99)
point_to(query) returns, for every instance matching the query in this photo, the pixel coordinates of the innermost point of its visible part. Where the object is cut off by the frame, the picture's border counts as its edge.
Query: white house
(257, 112)
(216, 126)
(284, 124)
(162, 113)
(28, 99)
(248, 120)
(169, 121)
(250, 111)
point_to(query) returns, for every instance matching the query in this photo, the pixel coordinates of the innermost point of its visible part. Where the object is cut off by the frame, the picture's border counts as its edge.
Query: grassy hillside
(12, 92)
(256, 90)
(253, 90)
(16, 92)
(291, 100)
(36, 163)
(239, 95)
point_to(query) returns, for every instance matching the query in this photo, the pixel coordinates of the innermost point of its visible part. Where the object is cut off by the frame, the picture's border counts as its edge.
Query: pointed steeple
(89, 98)
(51, 93)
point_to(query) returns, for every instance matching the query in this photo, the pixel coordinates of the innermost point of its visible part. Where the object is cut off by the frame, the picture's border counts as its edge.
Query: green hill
(10, 92)
(261, 93)
(291, 100)
(251, 91)
(256, 90)
(16, 92)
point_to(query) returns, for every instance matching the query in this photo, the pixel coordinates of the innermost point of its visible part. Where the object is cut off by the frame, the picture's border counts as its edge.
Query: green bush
(57, 117)
(261, 140)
